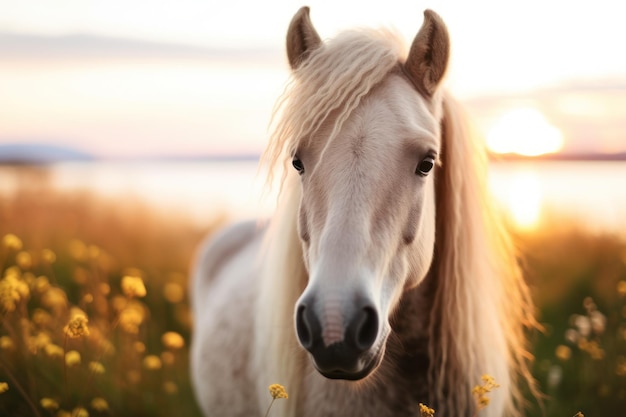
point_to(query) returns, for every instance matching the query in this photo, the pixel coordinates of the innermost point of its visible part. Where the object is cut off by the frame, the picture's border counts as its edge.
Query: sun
(524, 131)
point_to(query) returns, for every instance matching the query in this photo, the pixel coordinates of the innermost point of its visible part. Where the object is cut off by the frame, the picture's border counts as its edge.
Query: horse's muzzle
(350, 358)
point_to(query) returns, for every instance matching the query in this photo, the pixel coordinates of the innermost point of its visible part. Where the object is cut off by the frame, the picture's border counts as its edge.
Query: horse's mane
(481, 304)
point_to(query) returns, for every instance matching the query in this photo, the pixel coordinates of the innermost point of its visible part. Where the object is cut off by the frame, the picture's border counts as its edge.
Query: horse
(385, 279)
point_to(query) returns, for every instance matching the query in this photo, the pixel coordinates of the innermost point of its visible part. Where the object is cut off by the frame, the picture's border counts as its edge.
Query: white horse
(385, 279)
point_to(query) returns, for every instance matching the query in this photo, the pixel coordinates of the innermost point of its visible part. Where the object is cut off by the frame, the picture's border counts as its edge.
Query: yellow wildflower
(133, 286)
(4, 387)
(99, 404)
(77, 326)
(54, 299)
(72, 358)
(426, 411)
(96, 367)
(48, 256)
(278, 391)
(10, 241)
(41, 284)
(173, 292)
(131, 317)
(24, 260)
(6, 343)
(563, 352)
(12, 290)
(49, 404)
(80, 412)
(168, 358)
(53, 351)
(480, 391)
(39, 341)
(172, 340)
(579, 414)
(78, 249)
(170, 387)
(152, 362)
(621, 288)
(140, 347)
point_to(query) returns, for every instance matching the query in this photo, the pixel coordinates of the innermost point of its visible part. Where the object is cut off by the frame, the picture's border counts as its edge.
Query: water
(592, 194)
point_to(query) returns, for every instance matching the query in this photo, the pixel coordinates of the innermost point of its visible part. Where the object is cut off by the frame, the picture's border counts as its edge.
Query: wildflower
(96, 367)
(6, 343)
(133, 286)
(620, 369)
(48, 256)
(53, 351)
(54, 299)
(99, 404)
(78, 250)
(49, 404)
(173, 292)
(39, 341)
(4, 387)
(131, 317)
(563, 352)
(12, 290)
(621, 288)
(278, 391)
(24, 260)
(152, 362)
(169, 387)
(168, 358)
(77, 326)
(480, 391)
(426, 411)
(41, 284)
(579, 414)
(140, 347)
(10, 241)
(172, 340)
(72, 358)
(80, 412)
(592, 347)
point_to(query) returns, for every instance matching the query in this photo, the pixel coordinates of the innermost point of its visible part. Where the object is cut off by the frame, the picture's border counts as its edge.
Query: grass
(124, 270)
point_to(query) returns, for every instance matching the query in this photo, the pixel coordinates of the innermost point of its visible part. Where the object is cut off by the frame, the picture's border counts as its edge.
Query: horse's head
(367, 167)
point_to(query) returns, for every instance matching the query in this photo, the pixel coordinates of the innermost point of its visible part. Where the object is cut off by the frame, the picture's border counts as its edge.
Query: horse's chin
(367, 364)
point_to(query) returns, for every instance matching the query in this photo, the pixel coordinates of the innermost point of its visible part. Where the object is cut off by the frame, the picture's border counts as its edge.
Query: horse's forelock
(331, 82)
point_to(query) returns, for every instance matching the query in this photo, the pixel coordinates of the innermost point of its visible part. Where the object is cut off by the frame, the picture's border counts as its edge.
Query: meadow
(95, 314)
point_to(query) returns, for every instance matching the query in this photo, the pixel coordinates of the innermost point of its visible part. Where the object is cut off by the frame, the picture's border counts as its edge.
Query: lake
(534, 193)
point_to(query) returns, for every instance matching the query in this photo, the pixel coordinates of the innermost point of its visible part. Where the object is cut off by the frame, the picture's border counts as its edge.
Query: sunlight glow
(524, 131)
(524, 199)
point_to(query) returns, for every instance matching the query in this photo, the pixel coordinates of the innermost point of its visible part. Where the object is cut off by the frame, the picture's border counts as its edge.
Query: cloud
(28, 47)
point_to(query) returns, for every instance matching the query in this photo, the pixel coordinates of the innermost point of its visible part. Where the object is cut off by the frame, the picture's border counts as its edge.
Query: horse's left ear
(429, 53)
(302, 38)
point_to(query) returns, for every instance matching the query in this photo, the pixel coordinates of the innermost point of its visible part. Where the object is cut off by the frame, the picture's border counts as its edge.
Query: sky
(191, 77)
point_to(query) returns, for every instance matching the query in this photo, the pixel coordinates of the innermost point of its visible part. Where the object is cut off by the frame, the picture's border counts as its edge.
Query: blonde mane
(481, 305)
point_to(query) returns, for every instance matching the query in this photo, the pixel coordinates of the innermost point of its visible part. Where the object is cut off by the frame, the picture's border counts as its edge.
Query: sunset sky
(191, 77)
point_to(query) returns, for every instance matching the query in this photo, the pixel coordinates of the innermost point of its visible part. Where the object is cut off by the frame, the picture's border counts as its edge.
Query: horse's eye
(298, 165)
(425, 166)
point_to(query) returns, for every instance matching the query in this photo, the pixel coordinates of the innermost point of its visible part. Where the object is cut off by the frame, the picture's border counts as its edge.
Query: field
(95, 317)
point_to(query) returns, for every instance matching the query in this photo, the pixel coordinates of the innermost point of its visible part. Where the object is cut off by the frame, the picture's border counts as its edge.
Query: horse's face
(366, 223)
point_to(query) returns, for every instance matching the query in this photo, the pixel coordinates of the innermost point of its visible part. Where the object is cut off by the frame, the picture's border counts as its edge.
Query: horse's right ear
(302, 38)
(429, 54)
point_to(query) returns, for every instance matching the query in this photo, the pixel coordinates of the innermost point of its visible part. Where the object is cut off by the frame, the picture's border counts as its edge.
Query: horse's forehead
(392, 115)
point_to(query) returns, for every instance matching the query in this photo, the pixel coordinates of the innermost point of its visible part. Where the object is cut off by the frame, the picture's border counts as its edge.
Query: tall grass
(66, 255)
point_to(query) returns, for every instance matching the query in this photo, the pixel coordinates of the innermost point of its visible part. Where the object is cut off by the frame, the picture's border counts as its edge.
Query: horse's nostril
(303, 328)
(366, 328)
